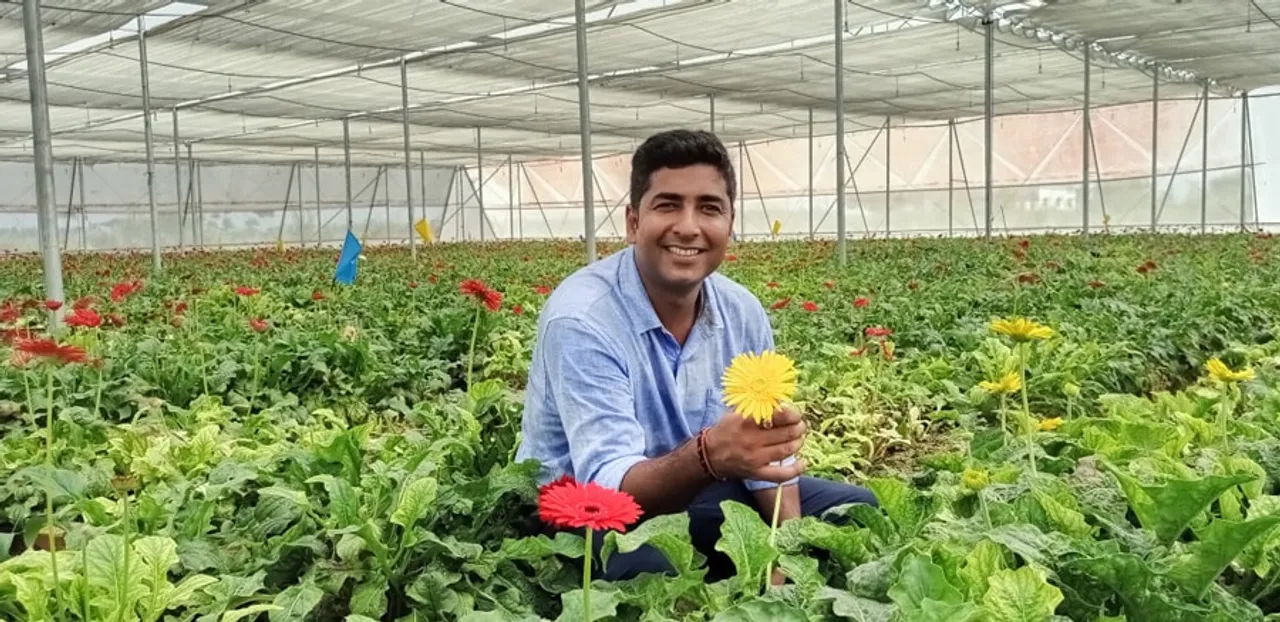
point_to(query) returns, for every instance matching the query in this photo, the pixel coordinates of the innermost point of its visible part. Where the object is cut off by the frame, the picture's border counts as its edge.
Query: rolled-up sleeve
(763, 340)
(592, 394)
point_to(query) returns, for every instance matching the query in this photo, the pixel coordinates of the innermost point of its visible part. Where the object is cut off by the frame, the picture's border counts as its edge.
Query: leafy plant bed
(248, 441)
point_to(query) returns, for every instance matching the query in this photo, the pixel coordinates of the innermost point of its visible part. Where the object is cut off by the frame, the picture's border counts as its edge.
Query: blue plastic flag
(346, 272)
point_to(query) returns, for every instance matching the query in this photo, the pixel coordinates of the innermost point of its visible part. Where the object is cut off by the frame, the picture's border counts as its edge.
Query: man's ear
(633, 222)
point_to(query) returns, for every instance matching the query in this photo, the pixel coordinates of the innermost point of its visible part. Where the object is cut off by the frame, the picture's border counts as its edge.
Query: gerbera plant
(755, 386)
(569, 504)
(1023, 332)
(1229, 379)
(486, 298)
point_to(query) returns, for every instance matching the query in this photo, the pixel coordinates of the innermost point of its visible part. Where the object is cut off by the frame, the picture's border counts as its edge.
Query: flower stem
(773, 534)
(471, 354)
(986, 513)
(1004, 425)
(1026, 410)
(586, 574)
(51, 530)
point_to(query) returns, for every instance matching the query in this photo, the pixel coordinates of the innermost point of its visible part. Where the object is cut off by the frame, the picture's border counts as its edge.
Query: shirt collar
(636, 301)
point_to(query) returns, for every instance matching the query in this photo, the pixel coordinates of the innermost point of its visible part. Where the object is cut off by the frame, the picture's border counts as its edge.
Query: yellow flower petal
(1009, 383)
(1021, 329)
(755, 385)
(1220, 372)
(1049, 425)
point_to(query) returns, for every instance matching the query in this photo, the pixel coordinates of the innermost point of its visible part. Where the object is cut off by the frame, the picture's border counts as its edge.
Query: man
(630, 351)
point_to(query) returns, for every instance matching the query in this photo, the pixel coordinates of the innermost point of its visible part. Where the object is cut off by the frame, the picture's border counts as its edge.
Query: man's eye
(665, 205)
(712, 208)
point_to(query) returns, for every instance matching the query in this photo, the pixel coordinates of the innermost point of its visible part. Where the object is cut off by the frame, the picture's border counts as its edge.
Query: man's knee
(624, 566)
(819, 495)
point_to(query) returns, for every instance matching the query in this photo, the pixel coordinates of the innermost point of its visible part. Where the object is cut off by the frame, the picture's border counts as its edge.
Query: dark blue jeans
(705, 517)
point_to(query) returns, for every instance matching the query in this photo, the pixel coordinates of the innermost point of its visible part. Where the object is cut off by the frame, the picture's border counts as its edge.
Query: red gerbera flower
(858, 352)
(771, 284)
(258, 325)
(810, 306)
(432, 279)
(10, 313)
(10, 335)
(247, 291)
(877, 331)
(53, 305)
(1029, 278)
(317, 295)
(1025, 243)
(413, 285)
(84, 303)
(730, 257)
(50, 350)
(781, 304)
(123, 290)
(115, 319)
(570, 504)
(518, 310)
(180, 308)
(542, 290)
(84, 318)
(829, 284)
(1097, 284)
(913, 286)
(493, 299)
(861, 302)
(473, 287)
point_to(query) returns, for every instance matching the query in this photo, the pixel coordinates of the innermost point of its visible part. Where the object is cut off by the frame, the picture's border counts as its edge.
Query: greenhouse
(296, 296)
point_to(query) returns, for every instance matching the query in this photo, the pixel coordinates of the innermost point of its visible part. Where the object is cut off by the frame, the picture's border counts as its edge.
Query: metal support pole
(1244, 138)
(1204, 165)
(742, 193)
(842, 249)
(302, 237)
(584, 129)
(951, 177)
(71, 198)
(810, 173)
(511, 200)
(284, 213)
(888, 159)
(189, 211)
(42, 141)
(199, 205)
(346, 156)
(1086, 141)
(319, 215)
(408, 166)
(1253, 173)
(177, 177)
(480, 181)
(712, 98)
(151, 154)
(422, 186)
(84, 219)
(1155, 146)
(520, 200)
(989, 112)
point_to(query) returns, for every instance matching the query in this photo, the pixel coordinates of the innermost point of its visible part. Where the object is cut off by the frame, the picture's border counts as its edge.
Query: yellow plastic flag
(777, 226)
(424, 230)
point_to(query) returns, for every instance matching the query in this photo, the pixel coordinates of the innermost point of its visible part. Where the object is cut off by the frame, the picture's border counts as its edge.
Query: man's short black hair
(678, 149)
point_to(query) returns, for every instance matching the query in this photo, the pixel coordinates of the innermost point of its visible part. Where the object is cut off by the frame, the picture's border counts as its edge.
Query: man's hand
(738, 448)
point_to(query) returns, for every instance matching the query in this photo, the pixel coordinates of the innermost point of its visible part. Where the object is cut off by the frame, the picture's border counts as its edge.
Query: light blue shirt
(609, 386)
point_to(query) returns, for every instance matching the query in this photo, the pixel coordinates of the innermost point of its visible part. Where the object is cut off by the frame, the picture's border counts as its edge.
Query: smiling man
(624, 388)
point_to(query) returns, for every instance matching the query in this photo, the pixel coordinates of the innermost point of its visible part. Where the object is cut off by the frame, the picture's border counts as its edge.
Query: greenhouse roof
(271, 80)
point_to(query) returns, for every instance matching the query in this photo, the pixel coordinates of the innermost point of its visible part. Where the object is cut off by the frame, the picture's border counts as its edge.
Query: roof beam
(1008, 20)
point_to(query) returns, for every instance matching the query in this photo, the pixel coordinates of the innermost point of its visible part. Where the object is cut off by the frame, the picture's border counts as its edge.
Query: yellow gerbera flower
(1049, 425)
(975, 479)
(1009, 383)
(755, 385)
(1021, 329)
(1220, 372)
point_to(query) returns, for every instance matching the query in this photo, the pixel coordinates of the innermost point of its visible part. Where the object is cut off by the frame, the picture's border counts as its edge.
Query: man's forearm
(667, 483)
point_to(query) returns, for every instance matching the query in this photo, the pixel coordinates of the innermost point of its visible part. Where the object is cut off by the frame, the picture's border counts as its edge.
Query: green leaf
(1126, 574)
(604, 604)
(1021, 595)
(120, 579)
(1219, 544)
(937, 611)
(745, 539)
(540, 547)
(803, 572)
(295, 603)
(344, 499)
(417, 496)
(761, 611)
(980, 564)
(848, 545)
(1063, 518)
(921, 579)
(187, 592)
(370, 598)
(358, 618)
(63, 484)
(32, 594)
(856, 608)
(251, 610)
(668, 533)
(497, 616)
(872, 579)
(157, 554)
(1168, 508)
(906, 507)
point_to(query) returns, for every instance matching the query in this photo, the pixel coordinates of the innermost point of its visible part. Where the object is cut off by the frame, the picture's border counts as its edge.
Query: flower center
(591, 508)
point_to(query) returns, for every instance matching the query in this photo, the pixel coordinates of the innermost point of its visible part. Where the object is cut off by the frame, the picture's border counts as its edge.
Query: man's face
(681, 227)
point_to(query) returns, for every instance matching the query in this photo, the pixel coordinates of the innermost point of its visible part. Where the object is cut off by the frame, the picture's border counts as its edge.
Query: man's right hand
(739, 448)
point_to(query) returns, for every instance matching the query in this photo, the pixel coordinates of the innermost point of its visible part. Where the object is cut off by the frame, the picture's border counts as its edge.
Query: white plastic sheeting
(246, 75)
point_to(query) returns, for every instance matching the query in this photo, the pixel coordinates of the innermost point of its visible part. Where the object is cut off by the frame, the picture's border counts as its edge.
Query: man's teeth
(683, 252)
